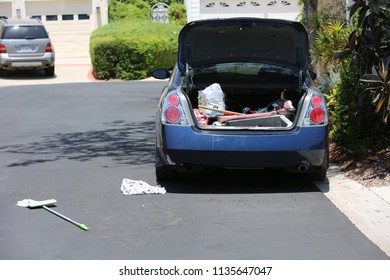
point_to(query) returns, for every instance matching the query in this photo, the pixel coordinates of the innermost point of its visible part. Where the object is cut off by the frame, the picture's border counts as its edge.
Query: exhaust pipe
(303, 167)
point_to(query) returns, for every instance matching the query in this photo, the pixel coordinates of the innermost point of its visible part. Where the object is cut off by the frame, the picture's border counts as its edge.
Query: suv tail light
(3, 49)
(49, 48)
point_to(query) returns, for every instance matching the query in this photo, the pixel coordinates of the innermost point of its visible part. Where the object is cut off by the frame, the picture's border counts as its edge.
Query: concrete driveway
(68, 70)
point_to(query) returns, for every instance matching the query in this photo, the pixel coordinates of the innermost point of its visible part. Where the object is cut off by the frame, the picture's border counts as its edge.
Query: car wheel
(1, 72)
(164, 172)
(49, 72)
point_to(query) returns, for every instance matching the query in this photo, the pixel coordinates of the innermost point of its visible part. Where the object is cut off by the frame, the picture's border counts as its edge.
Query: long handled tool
(45, 205)
(219, 110)
(82, 226)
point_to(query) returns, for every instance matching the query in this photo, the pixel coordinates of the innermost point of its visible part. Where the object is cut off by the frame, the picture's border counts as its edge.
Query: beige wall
(5, 9)
(20, 8)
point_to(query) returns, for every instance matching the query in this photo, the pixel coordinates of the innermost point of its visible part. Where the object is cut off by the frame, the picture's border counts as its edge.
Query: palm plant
(370, 41)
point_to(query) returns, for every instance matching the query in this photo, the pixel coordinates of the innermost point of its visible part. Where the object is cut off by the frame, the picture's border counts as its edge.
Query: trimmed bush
(177, 13)
(131, 50)
(120, 10)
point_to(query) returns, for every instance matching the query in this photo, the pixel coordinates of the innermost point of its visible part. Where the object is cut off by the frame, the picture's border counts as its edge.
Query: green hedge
(177, 13)
(131, 50)
(119, 10)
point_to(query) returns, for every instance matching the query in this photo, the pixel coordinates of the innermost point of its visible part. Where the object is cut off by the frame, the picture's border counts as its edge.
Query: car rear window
(246, 69)
(25, 32)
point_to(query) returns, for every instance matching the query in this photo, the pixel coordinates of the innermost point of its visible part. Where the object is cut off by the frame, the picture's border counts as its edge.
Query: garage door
(284, 9)
(6, 9)
(69, 23)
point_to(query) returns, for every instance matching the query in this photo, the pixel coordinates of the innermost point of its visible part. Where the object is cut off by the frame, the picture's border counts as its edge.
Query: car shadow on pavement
(240, 181)
(125, 143)
(26, 75)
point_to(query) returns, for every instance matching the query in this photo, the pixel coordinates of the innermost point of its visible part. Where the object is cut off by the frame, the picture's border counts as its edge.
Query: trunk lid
(274, 41)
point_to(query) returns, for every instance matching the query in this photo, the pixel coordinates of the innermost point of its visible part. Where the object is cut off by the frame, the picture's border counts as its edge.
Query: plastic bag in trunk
(211, 97)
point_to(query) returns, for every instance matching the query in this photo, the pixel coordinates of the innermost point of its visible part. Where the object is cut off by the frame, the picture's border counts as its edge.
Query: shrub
(354, 125)
(120, 10)
(168, 2)
(177, 13)
(330, 37)
(379, 87)
(131, 50)
(360, 92)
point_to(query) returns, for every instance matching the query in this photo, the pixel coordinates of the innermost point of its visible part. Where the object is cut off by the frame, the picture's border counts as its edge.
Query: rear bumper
(14, 63)
(179, 145)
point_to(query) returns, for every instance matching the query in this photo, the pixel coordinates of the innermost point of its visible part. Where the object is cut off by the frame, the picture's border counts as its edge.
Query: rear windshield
(25, 32)
(268, 75)
(246, 69)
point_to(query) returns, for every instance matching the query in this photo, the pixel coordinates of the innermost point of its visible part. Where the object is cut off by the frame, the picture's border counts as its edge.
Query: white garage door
(284, 9)
(6, 9)
(69, 23)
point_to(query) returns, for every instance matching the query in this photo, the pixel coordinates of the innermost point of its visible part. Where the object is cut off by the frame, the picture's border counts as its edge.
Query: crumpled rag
(23, 203)
(133, 187)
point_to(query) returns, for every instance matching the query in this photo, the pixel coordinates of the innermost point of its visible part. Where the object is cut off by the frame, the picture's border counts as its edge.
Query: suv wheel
(49, 72)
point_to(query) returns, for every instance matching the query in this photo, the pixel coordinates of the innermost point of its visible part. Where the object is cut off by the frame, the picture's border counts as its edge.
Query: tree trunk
(310, 11)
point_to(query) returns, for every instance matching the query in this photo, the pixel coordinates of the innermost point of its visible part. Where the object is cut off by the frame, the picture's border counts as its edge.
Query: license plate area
(26, 64)
(26, 48)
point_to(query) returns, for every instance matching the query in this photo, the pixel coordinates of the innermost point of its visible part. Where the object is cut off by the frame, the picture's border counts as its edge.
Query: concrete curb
(367, 208)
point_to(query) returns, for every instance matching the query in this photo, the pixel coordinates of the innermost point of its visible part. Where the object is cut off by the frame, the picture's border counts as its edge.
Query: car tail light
(316, 101)
(49, 48)
(172, 114)
(172, 110)
(3, 49)
(317, 115)
(316, 111)
(173, 100)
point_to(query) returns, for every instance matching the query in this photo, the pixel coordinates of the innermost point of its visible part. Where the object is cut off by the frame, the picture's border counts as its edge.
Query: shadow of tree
(125, 143)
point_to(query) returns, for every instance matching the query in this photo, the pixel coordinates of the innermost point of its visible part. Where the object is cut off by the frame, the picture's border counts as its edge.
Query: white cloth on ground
(133, 187)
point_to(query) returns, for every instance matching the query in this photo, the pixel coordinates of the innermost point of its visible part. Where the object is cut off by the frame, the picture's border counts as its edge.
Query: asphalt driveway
(368, 209)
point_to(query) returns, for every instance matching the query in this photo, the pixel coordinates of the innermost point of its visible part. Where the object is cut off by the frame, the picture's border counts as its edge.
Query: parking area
(67, 70)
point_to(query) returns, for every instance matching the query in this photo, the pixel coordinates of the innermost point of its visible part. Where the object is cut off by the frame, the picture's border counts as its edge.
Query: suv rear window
(25, 32)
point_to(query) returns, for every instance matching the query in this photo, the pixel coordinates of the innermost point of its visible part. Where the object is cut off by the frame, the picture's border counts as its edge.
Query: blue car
(241, 96)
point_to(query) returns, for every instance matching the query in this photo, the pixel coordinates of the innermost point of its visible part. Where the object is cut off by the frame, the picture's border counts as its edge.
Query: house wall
(204, 9)
(6, 8)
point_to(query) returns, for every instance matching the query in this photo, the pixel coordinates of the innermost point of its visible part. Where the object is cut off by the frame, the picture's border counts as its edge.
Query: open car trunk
(252, 107)
(265, 100)
(258, 63)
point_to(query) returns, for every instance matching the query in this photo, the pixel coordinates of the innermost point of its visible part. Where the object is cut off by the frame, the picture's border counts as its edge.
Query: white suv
(25, 44)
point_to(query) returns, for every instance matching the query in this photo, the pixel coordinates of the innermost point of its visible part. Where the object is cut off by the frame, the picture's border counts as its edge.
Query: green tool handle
(82, 226)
